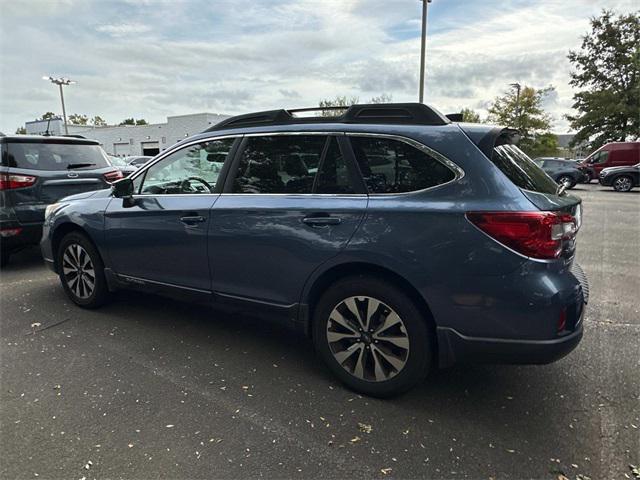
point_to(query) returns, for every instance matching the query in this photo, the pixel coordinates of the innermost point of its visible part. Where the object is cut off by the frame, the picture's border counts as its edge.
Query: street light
(517, 86)
(60, 82)
(423, 46)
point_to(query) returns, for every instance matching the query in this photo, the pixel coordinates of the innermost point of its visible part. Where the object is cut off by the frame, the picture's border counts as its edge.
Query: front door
(291, 203)
(162, 237)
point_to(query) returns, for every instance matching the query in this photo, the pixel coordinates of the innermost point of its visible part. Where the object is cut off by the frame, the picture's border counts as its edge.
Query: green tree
(607, 74)
(48, 116)
(524, 112)
(21, 131)
(344, 101)
(98, 121)
(78, 119)
(128, 121)
(142, 121)
(470, 116)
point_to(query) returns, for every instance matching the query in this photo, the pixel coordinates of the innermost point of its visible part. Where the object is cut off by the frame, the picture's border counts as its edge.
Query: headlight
(51, 209)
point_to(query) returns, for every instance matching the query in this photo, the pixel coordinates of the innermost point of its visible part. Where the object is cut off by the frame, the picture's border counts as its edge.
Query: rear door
(290, 203)
(52, 169)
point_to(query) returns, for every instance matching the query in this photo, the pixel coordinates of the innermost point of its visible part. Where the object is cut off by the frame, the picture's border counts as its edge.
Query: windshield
(521, 170)
(55, 156)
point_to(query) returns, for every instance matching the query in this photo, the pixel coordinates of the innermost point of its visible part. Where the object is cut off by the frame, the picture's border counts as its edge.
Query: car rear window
(54, 156)
(521, 170)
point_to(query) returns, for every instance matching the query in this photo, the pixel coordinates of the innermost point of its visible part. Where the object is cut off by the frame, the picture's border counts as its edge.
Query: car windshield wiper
(71, 166)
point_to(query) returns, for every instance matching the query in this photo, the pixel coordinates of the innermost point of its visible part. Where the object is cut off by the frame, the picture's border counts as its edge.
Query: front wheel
(623, 184)
(372, 336)
(81, 271)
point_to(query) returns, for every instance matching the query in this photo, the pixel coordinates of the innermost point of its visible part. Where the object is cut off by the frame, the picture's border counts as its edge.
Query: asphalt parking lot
(149, 387)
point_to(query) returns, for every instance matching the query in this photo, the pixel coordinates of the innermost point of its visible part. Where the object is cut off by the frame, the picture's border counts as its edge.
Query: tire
(569, 180)
(375, 366)
(623, 183)
(78, 254)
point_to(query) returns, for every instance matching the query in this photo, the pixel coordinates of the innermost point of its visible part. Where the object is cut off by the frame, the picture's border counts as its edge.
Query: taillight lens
(10, 232)
(113, 176)
(537, 235)
(10, 181)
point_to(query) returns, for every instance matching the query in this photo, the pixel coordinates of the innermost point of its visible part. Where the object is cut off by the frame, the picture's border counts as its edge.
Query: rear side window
(521, 170)
(290, 164)
(54, 156)
(392, 166)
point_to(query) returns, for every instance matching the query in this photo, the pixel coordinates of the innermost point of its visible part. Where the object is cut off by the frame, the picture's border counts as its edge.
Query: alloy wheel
(368, 338)
(78, 271)
(622, 184)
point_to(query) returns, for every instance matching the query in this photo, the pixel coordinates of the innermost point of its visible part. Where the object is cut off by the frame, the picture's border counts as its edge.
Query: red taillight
(113, 176)
(533, 234)
(10, 232)
(562, 320)
(10, 181)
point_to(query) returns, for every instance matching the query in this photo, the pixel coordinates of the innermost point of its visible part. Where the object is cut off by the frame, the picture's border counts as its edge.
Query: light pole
(517, 86)
(423, 47)
(60, 82)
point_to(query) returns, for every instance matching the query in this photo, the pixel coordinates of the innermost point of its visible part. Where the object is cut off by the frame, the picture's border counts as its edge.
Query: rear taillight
(10, 181)
(537, 235)
(10, 232)
(113, 176)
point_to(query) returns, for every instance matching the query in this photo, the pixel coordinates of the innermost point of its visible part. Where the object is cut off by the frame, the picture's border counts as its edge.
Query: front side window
(600, 157)
(191, 170)
(393, 166)
(295, 164)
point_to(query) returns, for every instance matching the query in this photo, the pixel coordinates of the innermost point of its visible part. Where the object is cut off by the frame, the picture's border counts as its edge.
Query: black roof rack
(394, 113)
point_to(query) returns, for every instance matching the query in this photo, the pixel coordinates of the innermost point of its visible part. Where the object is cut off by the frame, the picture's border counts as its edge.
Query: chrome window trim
(457, 171)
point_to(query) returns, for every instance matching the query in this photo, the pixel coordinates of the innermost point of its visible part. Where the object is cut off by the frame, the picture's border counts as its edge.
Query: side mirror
(122, 188)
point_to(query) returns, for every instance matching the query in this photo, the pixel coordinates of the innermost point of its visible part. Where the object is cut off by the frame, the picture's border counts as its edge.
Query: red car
(615, 154)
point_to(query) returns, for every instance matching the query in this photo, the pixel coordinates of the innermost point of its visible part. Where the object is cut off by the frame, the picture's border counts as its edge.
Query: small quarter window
(393, 166)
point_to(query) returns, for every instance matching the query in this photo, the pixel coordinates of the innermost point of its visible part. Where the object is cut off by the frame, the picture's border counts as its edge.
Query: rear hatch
(540, 189)
(40, 171)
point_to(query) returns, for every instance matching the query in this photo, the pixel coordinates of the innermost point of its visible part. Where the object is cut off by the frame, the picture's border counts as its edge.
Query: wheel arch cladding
(61, 231)
(338, 272)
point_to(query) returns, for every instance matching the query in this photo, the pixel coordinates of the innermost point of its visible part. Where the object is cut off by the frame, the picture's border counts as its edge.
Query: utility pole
(517, 86)
(60, 82)
(423, 47)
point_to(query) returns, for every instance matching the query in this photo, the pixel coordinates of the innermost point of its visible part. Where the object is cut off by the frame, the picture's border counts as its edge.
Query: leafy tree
(78, 119)
(383, 98)
(607, 72)
(470, 116)
(544, 145)
(142, 121)
(525, 113)
(128, 121)
(48, 115)
(21, 131)
(98, 121)
(344, 101)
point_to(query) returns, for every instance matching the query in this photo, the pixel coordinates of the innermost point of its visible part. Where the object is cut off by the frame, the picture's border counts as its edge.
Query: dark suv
(38, 170)
(563, 171)
(395, 239)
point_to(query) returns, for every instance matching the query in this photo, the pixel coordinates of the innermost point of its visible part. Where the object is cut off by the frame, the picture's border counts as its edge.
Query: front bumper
(605, 180)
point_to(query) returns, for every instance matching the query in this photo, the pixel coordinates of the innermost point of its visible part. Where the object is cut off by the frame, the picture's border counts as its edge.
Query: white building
(133, 139)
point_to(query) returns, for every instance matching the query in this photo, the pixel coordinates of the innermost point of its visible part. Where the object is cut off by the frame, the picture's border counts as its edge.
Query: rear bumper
(29, 234)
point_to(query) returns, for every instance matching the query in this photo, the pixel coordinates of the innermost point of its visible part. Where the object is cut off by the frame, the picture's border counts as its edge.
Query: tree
(48, 116)
(470, 116)
(21, 131)
(344, 101)
(98, 121)
(78, 119)
(142, 121)
(128, 121)
(525, 113)
(607, 72)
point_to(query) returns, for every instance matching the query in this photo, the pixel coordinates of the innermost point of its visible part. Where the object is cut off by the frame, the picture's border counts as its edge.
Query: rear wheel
(372, 336)
(623, 183)
(567, 180)
(81, 271)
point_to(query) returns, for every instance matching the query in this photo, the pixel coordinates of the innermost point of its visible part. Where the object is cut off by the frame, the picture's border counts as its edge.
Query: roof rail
(394, 113)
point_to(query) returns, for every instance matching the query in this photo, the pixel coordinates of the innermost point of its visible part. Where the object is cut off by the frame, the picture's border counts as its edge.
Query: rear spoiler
(487, 138)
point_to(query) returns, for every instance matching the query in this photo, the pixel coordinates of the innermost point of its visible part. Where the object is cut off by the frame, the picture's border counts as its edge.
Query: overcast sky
(150, 59)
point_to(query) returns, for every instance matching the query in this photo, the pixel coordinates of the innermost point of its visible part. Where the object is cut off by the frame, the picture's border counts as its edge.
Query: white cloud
(123, 29)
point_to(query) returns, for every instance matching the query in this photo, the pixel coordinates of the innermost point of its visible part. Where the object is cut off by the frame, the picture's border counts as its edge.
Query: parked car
(397, 240)
(563, 172)
(121, 164)
(615, 154)
(622, 179)
(36, 171)
(137, 161)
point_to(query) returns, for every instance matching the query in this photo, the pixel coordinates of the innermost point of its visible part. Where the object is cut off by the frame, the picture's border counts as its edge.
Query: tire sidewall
(100, 292)
(620, 190)
(420, 346)
(570, 184)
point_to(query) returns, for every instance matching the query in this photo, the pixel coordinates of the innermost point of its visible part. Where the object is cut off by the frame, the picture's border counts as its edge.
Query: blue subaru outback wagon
(396, 239)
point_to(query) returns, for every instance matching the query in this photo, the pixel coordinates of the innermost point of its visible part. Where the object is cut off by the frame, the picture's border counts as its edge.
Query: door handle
(192, 219)
(321, 221)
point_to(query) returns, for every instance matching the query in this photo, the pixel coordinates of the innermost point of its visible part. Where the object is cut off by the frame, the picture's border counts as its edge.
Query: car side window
(279, 164)
(393, 166)
(600, 157)
(191, 170)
